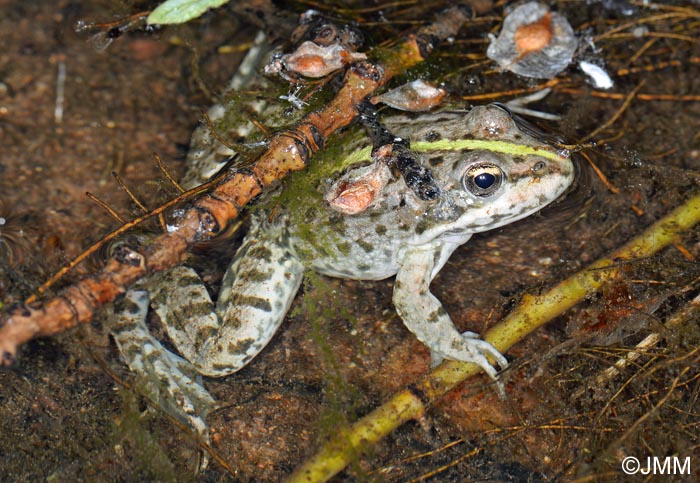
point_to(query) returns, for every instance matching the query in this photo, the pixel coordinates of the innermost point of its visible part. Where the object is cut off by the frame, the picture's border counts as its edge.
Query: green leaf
(181, 11)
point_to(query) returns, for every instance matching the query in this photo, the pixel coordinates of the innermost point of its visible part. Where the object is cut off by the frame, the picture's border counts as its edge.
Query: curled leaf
(181, 11)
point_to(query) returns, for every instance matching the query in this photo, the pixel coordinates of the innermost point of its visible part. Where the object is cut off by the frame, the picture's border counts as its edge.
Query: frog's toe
(177, 389)
(469, 348)
(436, 359)
(486, 349)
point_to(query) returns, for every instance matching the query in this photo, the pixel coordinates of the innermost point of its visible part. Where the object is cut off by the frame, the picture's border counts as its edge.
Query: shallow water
(60, 415)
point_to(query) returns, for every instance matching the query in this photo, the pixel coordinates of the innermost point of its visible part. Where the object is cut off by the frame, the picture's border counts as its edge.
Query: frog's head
(498, 174)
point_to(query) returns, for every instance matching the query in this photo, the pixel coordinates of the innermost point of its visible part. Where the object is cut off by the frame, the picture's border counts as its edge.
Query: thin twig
(122, 229)
(214, 132)
(167, 174)
(647, 45)
(513, 92)
(640, 21)
(132, 196)
(640, 96)
(600, 174)
(161, 219)
(615, 117)
(105, 207)
(633, 428)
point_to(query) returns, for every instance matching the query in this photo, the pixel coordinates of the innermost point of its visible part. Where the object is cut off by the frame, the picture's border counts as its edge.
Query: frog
(489, 173)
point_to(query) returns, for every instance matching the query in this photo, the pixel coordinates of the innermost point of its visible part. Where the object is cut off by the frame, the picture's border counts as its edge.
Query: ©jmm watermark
(655, 465)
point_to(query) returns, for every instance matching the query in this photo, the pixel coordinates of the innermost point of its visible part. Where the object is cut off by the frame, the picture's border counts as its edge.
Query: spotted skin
(169, 379)
(252, 303)
(397, 234)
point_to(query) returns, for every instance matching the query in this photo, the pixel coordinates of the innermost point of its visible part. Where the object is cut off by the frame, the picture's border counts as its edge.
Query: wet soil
(67, 410)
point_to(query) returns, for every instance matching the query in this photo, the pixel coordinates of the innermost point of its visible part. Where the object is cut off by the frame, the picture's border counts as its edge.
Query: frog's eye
(483, 179)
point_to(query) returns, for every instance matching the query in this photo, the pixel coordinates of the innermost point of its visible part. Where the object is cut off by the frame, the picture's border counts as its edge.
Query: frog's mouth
(578, 192)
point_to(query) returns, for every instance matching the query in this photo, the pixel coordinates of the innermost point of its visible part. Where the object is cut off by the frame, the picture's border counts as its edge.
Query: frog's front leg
(424, 315)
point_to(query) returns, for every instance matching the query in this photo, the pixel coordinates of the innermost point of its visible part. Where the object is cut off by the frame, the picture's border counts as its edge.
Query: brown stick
(210, 214)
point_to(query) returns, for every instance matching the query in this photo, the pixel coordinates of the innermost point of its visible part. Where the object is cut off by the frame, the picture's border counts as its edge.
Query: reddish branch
(210, 214)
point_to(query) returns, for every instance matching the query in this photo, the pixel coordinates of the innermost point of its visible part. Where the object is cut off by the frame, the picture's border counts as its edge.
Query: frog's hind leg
(256, 293)
(171, 381)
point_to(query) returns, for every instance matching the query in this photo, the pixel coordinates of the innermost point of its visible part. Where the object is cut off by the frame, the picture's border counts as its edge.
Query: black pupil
(484, 180)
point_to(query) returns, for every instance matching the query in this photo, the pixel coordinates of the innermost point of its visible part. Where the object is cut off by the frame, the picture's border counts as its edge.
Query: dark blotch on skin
(310, 215)
(255, 275)
(187, 281)
(196, 308)
(367, 247)
(422, 226)
(125, 325)
(436, 161)
(432, 136)
(125, 305)
(240, 347)
(260, 252)
(202, 336)
(251, 301)
(336, 222)
(344, 248)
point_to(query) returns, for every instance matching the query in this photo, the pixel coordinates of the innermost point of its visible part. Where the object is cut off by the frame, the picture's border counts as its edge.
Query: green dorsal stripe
(496, 146)
(460, 144)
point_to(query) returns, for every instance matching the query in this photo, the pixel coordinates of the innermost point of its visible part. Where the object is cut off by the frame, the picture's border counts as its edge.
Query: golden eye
(483, 179)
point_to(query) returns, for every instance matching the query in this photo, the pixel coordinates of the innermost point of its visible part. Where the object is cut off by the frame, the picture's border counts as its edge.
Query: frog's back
(366, 246)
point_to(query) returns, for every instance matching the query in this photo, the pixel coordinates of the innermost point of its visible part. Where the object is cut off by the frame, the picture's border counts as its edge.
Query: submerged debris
(519, 105)
(16, 234)
(598, 76)
(355, 191)
(416, 96)
(313, 60)
(534, 42)
(321, 47)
